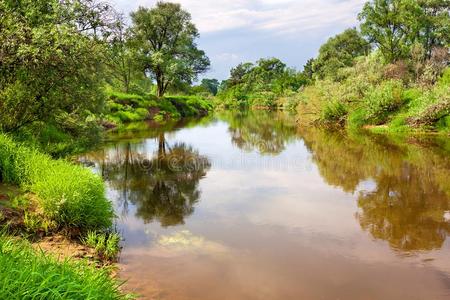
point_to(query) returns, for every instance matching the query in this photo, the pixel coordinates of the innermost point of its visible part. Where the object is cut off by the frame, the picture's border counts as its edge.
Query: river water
(247, 205)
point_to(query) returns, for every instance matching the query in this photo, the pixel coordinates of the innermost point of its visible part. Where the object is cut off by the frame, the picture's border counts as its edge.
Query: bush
(188, 106)
(383, 100)
(70, 195)
(29, 274)
(334, 111)
(432, 106)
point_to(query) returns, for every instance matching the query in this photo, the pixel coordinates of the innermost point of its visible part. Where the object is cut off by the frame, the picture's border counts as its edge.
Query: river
(246, 205)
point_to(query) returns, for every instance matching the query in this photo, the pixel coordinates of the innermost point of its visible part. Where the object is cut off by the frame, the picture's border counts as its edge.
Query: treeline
(391, 70)
(65, 63)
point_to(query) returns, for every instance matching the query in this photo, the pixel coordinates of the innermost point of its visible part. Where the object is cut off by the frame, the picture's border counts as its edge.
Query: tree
(211, 85)
(165, 39)
(49, 67)
(237, 73)
(121, 57)
(308, 68)
(383, 24)
(339, 51)
(434, 20)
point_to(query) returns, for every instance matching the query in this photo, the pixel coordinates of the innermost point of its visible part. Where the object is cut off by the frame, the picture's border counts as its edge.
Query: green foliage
(395, 25)
(70, 195)
(357, 119)
(383, 100)
(91, 239)
(334, 111)
(261, 85)
(190, 106)
(39, 77)
(433, 106)
(339, 52)
(30, 274)
(445, 79)
(106, 245)
(165, 37)
(112, 247)
(211, 85)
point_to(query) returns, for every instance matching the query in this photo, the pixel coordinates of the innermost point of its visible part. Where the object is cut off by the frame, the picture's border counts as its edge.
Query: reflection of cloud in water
(185, 242)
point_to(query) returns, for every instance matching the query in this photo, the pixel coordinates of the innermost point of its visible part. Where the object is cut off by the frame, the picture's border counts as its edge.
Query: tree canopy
(165, 39)
(340, 51)
(50, 61)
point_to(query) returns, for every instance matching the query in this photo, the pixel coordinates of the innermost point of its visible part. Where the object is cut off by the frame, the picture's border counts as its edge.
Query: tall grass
(70, 195)
(29, 274)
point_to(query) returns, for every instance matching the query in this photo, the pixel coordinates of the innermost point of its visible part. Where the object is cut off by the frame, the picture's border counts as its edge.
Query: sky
(235, 31)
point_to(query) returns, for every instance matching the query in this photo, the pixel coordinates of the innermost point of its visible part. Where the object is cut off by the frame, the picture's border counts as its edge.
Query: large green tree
(165, 39)
(49, 62)
(340, 51)
(395, 25)
(383, 23)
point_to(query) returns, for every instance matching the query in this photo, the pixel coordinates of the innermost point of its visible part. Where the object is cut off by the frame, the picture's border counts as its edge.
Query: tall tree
(121, 57)
(434, 20)
(339, 51)
(165, 39)
(237, 73)
(383, 24)
(211, 85)
(308, 68)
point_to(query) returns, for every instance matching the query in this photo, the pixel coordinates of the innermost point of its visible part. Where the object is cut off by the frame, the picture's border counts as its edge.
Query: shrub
(383, 100)
(29, 274)
(436, 106)
(68, 194)
(334, 111)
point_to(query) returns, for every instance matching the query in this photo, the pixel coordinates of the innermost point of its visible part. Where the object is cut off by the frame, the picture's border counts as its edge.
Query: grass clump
(106, 245)
(30, 274)
(70, 195)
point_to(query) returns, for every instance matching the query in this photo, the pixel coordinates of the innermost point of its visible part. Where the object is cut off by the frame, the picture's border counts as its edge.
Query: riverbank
(122, 108)
(62, 209)
(368, 97)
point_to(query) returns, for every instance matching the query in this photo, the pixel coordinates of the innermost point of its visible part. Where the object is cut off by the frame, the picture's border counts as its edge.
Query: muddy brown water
(248, 206)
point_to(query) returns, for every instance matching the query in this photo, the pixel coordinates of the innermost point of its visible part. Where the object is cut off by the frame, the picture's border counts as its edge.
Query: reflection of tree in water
(412, 196)
(163, 187)
(265, 131)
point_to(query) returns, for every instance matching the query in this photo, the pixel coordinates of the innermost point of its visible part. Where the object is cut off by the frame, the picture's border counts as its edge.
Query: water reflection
(162, 184)
(409, 203)
(264, 131)
(368, 220)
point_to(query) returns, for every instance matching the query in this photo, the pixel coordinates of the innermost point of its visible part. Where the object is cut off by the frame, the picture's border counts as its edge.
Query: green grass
(30, 274)
(106, 245)
(70, 195)
(127, 108)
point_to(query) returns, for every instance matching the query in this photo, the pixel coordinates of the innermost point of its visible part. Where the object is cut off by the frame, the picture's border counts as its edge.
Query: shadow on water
(409, 203)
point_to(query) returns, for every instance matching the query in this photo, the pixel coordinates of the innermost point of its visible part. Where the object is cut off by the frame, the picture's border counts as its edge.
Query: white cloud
(225, 56)
(274, 16)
